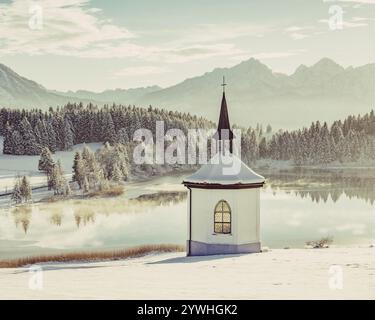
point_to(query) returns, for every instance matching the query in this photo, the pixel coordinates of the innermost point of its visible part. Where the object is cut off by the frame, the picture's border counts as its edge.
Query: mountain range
(324, 91)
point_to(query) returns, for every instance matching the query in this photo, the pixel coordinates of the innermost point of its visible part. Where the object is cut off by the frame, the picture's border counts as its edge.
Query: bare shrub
(324, 242)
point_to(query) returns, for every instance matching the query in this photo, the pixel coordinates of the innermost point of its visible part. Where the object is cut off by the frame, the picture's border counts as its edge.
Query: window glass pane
(225, 206)
(218, 217)
(218, 227)
(222, 217)
(218, 207)
(226, 217)
(226, 227)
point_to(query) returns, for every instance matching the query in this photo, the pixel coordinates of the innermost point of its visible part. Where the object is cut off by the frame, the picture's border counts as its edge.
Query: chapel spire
(224, 132)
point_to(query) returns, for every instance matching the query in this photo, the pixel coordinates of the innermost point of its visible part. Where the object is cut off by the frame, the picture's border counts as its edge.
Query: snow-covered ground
(277, 274)
(11, 166)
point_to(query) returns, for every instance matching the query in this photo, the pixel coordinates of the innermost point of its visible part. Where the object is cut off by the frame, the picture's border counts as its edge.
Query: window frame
(222, 222)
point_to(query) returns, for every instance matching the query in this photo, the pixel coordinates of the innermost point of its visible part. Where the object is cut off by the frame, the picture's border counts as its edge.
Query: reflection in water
(320, 185)
(22, 216)
(84, 215)
(85, 211)
(296, 206)
(55, 216)
(56, 219)
(160, 198)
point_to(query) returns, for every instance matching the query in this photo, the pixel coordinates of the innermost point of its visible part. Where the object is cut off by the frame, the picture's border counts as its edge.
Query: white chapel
(223, 201)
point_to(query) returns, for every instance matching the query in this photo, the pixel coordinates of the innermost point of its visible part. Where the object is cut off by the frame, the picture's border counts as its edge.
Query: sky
(107, 44)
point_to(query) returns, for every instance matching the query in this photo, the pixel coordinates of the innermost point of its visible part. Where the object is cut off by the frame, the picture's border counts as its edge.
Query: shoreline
(89, 256)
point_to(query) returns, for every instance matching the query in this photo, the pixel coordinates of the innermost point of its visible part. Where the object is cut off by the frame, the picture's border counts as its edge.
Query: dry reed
(92, 256)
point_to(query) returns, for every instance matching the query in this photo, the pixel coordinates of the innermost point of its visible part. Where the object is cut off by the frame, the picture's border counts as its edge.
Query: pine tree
(52, 144)
(86, 186)
(58, 182)
(263, 148)
(68, 136)
(122, 136)
(8, 144)
(46, 162)
(16, 196)
(29, 143)
(59, 130)
(78, 169)
(88, 156)
(67, 190)
(109, 133)
(105, 158)
(93, 170)
(17, 141)
(41, 133)
(116, 174)
(25, 189)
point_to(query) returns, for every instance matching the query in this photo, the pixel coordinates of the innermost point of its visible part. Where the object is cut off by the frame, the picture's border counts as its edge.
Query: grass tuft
(112, 192)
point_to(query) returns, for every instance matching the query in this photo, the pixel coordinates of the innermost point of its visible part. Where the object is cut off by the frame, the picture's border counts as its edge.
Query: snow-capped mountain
(324, 91)
(17, 91)
(108, 96)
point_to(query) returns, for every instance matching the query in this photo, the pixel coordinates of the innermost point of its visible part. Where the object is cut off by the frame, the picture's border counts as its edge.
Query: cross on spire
(224, 84)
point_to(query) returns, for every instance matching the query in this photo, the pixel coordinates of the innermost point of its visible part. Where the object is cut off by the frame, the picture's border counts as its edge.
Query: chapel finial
(224, 84)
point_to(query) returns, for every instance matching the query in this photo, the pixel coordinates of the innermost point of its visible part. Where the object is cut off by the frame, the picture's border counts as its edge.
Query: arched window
(222, 218)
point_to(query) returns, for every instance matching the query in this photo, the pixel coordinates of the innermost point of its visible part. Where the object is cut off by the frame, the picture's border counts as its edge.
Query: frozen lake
(296, 206)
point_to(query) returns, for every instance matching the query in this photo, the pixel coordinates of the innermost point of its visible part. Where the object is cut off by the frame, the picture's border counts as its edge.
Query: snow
(276, 274)
(225, 169)
(13, 165)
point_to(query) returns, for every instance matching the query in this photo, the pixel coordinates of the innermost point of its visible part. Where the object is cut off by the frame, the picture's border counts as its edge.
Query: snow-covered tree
(16, 196)
(117, 175)
(17, 143)
(78, 169)
(68, 139)
(58, 182)
(29, 143)
(46, 161)
(25, 189)
(109, 133)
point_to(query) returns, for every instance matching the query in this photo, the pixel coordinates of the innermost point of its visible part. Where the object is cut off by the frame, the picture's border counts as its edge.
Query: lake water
(296, 206)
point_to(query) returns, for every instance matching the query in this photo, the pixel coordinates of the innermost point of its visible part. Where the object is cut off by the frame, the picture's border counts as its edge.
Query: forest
(28, 132)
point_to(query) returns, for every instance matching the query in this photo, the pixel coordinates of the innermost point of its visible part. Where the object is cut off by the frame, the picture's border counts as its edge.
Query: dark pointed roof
(223, 122)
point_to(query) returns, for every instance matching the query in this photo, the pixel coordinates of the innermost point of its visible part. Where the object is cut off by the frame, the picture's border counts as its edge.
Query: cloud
(224, 31)
(298, 36)
(68, 28)
(360, 19)
(266, 55)
(297, 32)
(294, 29)
(358, 1)
(196, 52)
(73, 28)
(354, 228)
(353, 23)
(280, 54)
(140, 71)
